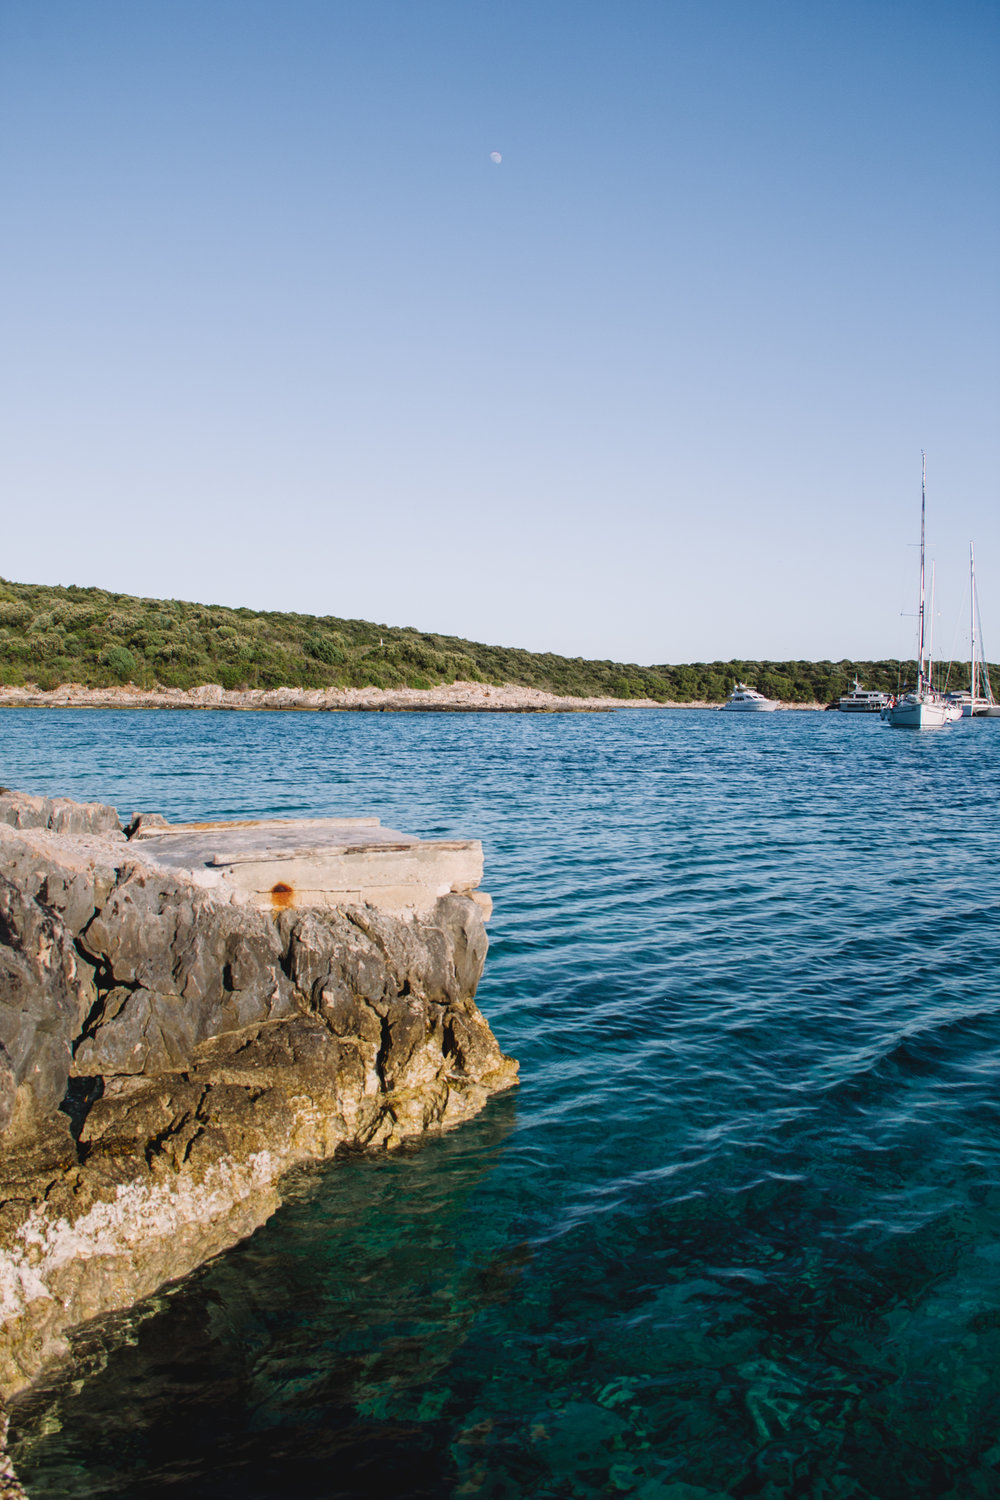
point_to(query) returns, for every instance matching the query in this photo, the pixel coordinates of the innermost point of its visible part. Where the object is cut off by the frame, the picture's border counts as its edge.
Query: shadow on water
(387, 1332)
(279, 1368)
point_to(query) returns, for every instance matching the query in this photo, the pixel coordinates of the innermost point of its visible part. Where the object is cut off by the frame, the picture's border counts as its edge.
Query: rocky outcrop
(57, 814)
(166, 1055)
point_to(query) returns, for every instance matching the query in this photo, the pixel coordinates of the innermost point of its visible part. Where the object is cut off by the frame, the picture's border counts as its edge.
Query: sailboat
(922, 707)
(978, 702)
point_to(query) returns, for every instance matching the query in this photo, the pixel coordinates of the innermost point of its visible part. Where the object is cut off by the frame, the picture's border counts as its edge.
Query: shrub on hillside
(13, 612)
(74, 616)
(324, 648)
(120, 661)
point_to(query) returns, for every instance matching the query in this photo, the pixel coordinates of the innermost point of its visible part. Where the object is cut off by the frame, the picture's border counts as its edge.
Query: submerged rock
(168, 1052)
(10, 1485)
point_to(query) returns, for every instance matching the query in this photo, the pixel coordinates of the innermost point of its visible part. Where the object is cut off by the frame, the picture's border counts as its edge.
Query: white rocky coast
(187, 1013)
(455, 697)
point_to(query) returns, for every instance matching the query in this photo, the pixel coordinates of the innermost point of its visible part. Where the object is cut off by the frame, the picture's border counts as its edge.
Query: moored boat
(978, 702)
(922, 707)
(962, 700)
(745, 699)
(862, 700)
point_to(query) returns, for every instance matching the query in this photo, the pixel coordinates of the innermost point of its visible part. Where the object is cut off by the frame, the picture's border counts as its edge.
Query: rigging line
(984, 662)
(960, 617)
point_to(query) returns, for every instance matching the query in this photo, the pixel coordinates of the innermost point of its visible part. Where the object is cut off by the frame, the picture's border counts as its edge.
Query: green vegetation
(50, 636)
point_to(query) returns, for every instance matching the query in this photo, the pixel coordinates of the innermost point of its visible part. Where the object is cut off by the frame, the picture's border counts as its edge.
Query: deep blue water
(737, 1233)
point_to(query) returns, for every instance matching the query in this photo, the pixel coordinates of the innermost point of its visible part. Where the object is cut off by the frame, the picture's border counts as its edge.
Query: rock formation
(168, 1051)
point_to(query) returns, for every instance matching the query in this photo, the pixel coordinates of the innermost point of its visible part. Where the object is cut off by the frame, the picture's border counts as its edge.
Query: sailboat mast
(920, 627)
(972, 633)
(930, 638)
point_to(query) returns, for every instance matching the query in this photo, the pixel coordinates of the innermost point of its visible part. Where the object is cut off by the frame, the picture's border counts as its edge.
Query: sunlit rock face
(167, 1053)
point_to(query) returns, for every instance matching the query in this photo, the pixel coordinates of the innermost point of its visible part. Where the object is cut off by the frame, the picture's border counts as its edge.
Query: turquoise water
(737, 1232)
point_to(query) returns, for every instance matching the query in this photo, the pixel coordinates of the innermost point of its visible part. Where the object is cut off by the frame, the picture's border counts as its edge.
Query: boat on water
(862, 700)
(747, 700)
(922, 707)
(978, 702)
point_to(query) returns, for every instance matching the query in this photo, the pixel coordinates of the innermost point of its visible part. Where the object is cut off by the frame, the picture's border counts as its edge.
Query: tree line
(52, 635)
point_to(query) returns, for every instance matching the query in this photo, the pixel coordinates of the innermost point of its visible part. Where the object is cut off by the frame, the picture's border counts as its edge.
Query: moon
(496, 158)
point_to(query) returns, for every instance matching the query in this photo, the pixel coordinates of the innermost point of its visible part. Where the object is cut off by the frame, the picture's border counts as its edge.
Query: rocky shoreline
(455, 697)
(168, 1051)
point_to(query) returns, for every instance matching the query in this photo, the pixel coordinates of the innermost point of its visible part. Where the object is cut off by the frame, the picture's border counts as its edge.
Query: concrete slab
(278, 864)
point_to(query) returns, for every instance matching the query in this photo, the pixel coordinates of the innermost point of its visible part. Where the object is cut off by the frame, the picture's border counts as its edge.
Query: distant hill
(51, 635)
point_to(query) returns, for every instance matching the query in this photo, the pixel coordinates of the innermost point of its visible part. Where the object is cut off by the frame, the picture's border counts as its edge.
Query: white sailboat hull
(922, 707)
(921, 713)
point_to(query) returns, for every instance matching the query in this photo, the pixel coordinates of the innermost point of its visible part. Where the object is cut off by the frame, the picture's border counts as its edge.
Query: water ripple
(736, 1235)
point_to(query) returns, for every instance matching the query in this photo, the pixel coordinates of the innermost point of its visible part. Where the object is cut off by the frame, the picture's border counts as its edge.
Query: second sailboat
(922, 707)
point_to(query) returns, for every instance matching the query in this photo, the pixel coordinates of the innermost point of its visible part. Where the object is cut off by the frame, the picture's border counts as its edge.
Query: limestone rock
(72, 877)
(45, 996)
(141, 821)
(10, 1485)
(196, 967)
(58, 814)
(166, 1055)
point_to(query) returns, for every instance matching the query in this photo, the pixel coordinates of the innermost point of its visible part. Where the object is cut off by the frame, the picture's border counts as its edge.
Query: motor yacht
(862, 700)
(745, 699)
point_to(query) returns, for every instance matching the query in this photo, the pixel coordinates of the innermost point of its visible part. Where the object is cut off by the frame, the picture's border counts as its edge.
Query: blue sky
(276, 330)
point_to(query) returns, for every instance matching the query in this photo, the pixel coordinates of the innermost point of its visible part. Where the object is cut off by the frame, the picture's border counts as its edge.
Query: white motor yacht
(745, 699)
(862, 700)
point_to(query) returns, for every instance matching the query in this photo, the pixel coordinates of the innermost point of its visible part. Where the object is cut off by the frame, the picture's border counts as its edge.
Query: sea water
(738, 1231)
